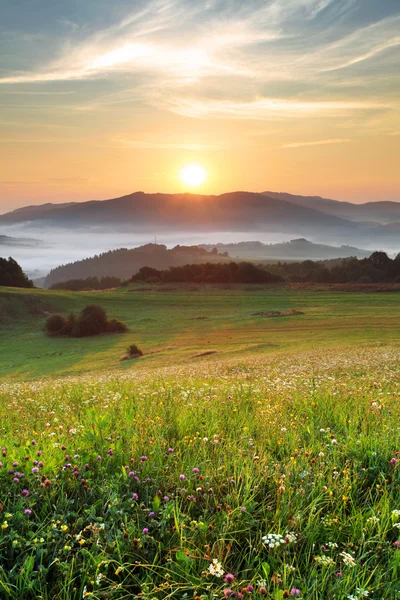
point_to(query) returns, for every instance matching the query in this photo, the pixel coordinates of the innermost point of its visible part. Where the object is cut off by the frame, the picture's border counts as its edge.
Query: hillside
(374, 212)
(236, 211)
(299, 249)
(124, 263)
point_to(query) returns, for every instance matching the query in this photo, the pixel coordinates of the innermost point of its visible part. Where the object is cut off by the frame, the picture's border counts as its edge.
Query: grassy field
(267, 470)
(173, 324)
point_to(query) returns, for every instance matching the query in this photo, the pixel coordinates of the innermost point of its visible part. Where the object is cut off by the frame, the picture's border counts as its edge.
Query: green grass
(166, 327)
(297, 446)
(148, 479)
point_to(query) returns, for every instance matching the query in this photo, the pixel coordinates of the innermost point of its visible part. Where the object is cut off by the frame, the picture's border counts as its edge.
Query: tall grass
(259, 478)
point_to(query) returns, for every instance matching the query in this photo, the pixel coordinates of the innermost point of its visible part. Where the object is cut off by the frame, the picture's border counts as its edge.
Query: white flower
(215, 568)
(273, 540)
(348, 559)
(325, 561)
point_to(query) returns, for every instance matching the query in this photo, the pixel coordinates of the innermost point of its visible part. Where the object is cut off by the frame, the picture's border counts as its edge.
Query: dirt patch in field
(291, 312)
(206, 353)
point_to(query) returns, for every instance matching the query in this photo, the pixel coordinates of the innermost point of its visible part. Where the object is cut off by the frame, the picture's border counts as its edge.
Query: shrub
(133, 351)
(55, 324)
(91, 321)
(116, 326)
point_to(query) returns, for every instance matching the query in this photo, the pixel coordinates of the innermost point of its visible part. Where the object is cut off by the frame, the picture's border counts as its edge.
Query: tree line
(11, 274)
(378, 268)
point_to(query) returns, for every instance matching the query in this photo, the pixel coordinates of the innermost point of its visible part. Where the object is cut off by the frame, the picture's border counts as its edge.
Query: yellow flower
(64, 528)
(4, 525)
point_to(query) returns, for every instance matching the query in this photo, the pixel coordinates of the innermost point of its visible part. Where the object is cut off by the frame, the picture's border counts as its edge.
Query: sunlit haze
(101, 99)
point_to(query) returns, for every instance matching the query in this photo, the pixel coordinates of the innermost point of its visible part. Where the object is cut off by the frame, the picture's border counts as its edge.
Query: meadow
(269, 469)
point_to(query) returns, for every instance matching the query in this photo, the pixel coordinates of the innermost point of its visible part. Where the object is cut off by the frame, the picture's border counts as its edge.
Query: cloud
(316, 143)
(138, 144)
(169, 54)
(267, 108)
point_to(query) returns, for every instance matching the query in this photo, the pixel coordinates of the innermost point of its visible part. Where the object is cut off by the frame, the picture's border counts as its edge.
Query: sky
(99, 99)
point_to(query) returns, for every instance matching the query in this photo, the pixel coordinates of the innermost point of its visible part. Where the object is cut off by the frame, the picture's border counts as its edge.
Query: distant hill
(375, 212)
(124, 263)
(299, 249)
(236, 211)
(6, 240)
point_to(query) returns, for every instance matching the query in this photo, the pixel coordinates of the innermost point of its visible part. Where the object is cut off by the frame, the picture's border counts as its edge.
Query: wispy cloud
(316, 143)
(158, 145)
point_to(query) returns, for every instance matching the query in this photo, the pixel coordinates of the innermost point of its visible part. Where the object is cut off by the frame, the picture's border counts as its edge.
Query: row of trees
(12, 275)
(244, 272)
(378, 268)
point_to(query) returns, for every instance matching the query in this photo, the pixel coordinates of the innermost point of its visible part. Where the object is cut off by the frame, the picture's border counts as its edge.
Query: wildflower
(143, 458)
(228, 593)
(110, 452)
(295, 592)
(215, 568)
(273, 540)
(4, 525)
(348, 559)
(64, 528)
(170, 450)
(35, 470)
(229, 578)
(250, 589)
(396, 543)
(334, 442)
(24, 493)
(145, 531)
(196, 470)
(28, 511)
(325, 561)
(182, 477)
(393, 461)
(135, 496)
(98, 457)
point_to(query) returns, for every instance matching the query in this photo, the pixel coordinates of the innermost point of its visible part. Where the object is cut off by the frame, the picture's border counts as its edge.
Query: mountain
(6, 240)
(124, 263)
(299, 249)
(236, 211)
(379, 212)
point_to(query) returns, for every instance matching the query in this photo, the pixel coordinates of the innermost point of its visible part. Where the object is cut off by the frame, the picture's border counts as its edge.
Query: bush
(55, 324)
(116, 326)
(91, 321)
(133, 351)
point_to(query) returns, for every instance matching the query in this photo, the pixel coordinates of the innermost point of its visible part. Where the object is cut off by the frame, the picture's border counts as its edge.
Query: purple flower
(143, 458)
(16, 480)
(35, 463)
(243, 508)
(15, 464)
(393, 461)
(334, 442)
(98, 457)
(35, 470)
(295, 592)
(110, 452)
(86, 467)
(28, 511)
(135, 496)
(170, 450)
(145, 531)
(39, 453)
(250, 588)
(151, 514)
(396, 543)
(63, 447)
(339, 574)
(182, 477)
(33, 442)
(166, 498)
(229, 578)
(196, 470)
(40, 464)
(131, 474)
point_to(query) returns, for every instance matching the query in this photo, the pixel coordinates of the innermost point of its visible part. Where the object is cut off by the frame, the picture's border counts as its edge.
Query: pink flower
(229, 578)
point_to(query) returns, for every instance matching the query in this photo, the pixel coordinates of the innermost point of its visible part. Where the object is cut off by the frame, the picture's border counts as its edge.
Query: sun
(193, 175)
